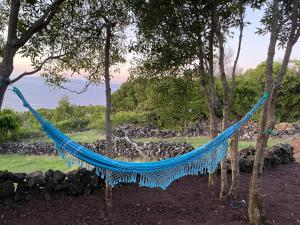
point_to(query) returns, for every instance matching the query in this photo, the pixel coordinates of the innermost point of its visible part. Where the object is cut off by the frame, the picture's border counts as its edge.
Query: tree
(179, 36)
(218, 22)
(23, 20)
(101, 46)
(281, 19)
(84, 38)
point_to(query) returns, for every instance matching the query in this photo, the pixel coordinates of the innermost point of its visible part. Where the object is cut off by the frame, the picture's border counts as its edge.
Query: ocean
(39, 95)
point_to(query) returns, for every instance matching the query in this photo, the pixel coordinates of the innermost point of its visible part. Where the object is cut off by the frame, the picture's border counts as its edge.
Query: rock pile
(286, 129)
(37, 148)
(50, 184)
(278, 154)
(247, 132)
(199, 128)
(134, 131)
(149, 150)
(121, 148)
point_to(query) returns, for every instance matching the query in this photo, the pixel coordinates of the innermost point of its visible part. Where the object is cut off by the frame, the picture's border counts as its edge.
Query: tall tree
(228, 14)
(19, 22)
(282, 20)
(100, 48)
(85, 38)
(234, 155)
(170, 49)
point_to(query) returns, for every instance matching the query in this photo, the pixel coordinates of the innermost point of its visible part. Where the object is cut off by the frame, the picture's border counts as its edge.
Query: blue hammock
(150, 174)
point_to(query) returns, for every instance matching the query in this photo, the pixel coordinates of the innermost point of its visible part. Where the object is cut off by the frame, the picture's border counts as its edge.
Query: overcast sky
(253, 52)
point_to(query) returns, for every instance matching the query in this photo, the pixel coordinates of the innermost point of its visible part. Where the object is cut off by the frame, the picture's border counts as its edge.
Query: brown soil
(186, 201)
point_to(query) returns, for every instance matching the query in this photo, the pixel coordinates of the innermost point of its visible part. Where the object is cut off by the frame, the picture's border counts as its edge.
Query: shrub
(9, 124)
(72, 124)
(134, 117)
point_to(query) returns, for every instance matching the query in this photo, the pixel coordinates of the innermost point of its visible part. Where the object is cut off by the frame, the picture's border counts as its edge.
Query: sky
(253, 51)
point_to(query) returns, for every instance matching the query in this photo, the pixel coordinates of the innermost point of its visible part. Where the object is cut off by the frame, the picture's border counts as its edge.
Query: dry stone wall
(16, 187)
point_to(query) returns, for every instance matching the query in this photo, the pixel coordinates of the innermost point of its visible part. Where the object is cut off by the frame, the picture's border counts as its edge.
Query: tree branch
(241, 26)
(87, 84)
(41, 23)
(35, 70)
(84, 89)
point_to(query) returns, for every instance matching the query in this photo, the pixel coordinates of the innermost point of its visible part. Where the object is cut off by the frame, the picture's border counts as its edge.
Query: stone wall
(247, 132)
(16, 187)
(121, 148)
(274, 156)
(52, 184)
(201, 128)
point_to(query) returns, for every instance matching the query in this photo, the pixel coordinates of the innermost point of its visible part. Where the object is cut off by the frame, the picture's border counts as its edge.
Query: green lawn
(198, 141)
(29, 163)
(88, 136)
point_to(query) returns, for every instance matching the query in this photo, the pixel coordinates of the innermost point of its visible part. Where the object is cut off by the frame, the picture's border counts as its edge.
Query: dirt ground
(186, 201)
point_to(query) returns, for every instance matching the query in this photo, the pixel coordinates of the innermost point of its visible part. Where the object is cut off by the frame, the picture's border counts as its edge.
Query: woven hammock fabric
(150, 174)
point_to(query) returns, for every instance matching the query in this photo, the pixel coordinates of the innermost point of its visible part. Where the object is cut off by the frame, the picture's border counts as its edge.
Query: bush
(72, 124)
(120, 118)
(9, 124)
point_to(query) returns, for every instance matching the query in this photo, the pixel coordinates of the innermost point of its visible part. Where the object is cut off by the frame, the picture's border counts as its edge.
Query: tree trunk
(6, 68)
(212, 178)
(255, 209)
(234, 142)
(108, 126)
(3, 88)
(225, 122)
(235, 168)
(256, 214)
(9, 51)
(207, 81)
(293, 38)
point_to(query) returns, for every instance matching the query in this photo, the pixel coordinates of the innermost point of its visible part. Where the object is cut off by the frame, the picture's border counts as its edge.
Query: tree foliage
(174, 102)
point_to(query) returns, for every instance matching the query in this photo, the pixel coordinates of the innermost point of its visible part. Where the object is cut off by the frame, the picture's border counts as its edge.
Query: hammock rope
(150, 174)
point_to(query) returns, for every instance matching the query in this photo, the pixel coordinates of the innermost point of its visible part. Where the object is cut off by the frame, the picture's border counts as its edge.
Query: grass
(88, 136)
(91, 136)
(198, 141)
(29, 163)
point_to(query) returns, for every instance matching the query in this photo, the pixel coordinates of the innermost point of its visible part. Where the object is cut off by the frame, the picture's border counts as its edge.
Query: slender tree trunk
(212, 179)
(234, 142)
(225, 123)
(293, 38)
(207, 81)
(108, 126)
(235, 168)
(225, 86)
(255, 209)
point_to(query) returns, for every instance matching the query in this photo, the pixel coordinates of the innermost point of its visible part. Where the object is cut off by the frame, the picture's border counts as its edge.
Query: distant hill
(41, 96)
